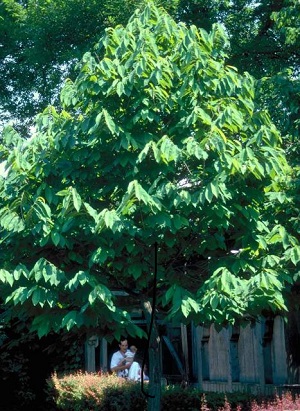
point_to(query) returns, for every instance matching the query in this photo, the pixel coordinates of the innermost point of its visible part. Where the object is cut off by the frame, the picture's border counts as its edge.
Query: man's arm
(117, 364)
(121, 367)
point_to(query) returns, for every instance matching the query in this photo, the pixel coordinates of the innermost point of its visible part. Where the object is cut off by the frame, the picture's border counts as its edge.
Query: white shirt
(135, 372)
(115, 360)
(129, 356)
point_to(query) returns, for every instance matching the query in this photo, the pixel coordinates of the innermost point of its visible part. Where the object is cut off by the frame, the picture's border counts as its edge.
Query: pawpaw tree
(158, 173)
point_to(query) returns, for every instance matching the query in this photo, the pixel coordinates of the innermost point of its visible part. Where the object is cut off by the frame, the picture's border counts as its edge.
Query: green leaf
(194, 304)
(76, 199)
(11, 221)
(19, 295)
(111, 219)
(42, 209)
(214, 301)
(91, 211)
(142, 195)
(70, 320)
(284, 236)
(185, 307)
(206, 119)
(41, 324)
(79, 278)
(55, 237)
(135, 269)
(209, 193)
(110, 122)
(194, 148)
(167, 297)
(295, 254)
(6, 277)
(102, 293)
(169, 150)
(179, 221)
(38, 296)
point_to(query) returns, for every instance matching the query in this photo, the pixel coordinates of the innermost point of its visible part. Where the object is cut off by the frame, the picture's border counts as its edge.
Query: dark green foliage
(129, 398)
(176, 398)
(179, 399)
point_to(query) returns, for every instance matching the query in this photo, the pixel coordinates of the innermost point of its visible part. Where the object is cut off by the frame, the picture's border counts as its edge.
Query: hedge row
(106, 392)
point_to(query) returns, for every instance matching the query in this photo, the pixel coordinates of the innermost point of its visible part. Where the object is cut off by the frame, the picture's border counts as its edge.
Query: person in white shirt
(135, 371)
(118, 361)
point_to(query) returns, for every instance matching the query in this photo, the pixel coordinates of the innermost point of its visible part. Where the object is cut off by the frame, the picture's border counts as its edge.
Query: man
(118, 362)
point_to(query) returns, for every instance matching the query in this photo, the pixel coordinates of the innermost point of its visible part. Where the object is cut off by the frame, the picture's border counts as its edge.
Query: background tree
(158, 142)
(264, 40)
(40, 41)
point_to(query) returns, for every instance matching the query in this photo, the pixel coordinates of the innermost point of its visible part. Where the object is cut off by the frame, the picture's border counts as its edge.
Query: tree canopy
(40, 42)
(157, 141)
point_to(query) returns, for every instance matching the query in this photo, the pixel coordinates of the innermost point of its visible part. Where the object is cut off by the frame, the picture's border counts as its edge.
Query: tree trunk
(154, 389)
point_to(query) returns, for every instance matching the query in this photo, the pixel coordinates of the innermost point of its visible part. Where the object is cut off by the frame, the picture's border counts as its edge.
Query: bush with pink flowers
(100, 391)
(105, 392)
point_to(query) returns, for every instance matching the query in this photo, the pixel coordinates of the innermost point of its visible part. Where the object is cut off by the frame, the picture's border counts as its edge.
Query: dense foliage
(106, 392)
(158, 141)
(40, 42)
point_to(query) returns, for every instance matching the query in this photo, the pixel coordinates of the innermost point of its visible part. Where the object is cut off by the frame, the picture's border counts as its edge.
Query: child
(135, 371)
(130, 353)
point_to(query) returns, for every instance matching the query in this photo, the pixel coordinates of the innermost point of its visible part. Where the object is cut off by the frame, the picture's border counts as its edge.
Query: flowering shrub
(285, 402)
(100, 391)
(105, 392)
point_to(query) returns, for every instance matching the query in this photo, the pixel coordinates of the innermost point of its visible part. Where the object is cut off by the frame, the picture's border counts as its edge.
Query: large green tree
(157, 142)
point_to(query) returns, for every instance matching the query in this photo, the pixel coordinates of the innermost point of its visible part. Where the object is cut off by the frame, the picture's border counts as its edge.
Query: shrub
(284, 402)
(102, 392)
(190, 399)
(105, 392)
(179, 399)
